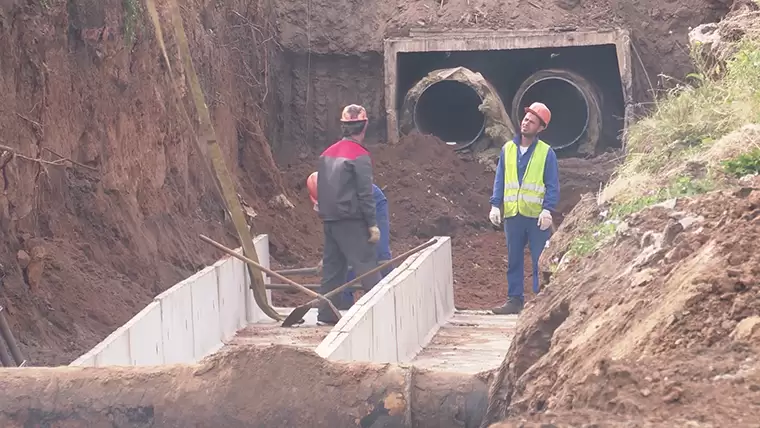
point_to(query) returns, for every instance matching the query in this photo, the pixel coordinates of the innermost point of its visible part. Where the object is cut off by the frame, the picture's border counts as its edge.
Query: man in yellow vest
(526, 188)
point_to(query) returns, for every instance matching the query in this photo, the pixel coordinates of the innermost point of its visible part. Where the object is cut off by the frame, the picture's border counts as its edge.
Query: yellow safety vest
(527, 199)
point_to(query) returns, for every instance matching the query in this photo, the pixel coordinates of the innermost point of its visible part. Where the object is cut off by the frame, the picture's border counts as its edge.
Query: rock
(673, 395)
(281, 201)
(672, 229)
(669, 204)
(640, 279)
(747, 328)
(23, 259)
(567, 4)
(36, 267)
(688, 222)
(646, 392)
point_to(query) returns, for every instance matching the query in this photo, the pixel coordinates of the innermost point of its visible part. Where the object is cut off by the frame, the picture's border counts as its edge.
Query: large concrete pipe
(242, 387)
(456, 105)
(575, 104)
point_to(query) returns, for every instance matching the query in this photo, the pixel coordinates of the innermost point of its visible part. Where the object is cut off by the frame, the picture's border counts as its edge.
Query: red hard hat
(540, 110)
(311, 184)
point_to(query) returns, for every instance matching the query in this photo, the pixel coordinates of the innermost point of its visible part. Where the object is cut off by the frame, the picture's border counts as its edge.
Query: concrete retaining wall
(400, 315)
(188, 321)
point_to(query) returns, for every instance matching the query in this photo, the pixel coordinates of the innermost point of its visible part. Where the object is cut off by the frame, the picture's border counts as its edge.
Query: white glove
(495, 216)
(544, 220)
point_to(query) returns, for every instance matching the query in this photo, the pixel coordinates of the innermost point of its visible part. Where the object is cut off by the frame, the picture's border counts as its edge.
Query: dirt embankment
(82, 249)
(216, 393)
(662, 325)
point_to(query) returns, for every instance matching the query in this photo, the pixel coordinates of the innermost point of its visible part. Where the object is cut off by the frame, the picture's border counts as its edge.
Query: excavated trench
(583, 86)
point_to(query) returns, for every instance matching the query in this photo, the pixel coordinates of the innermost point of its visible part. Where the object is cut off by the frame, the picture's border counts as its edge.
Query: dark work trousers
(521, 230)
(346, 243)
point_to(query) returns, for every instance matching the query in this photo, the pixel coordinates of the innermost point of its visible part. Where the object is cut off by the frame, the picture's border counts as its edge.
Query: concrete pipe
(242, 387)
(456, 105)
(575, 105)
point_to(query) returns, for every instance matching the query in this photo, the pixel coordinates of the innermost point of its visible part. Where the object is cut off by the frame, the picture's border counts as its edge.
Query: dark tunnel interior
(506, 70)
(571, 117)
(449, 110)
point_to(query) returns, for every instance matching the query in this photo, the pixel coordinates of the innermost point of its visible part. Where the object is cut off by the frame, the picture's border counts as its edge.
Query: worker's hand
(495, 216)
(374, 234)
(545, 220)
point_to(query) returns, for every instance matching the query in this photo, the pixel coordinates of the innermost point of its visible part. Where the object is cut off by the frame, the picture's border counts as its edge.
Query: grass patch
(744, 164)
(132, 12)
(704, 121)
(593, 238)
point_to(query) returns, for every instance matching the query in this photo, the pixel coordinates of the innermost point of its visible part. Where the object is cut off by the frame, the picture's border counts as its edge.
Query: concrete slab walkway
(470, 342)
(268, 332)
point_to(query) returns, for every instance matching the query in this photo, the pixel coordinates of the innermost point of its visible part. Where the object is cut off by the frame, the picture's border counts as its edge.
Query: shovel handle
(379, 268)
(268, 271)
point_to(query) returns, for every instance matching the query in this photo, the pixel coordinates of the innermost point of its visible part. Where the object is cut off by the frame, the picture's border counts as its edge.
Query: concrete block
(207, 333)
(253, 312)
(230, 275)
(424, 281)
(444, 280)
(339, 349)
(177, 323)
(114, 350)
(406, 321)
(86, 360)
(384, 337)
(146, 344)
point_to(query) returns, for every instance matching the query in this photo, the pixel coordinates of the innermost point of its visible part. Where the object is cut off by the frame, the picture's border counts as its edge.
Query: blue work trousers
(521, 230)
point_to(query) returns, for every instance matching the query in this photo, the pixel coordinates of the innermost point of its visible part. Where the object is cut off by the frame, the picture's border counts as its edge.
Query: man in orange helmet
(526, 188)
(347, 208)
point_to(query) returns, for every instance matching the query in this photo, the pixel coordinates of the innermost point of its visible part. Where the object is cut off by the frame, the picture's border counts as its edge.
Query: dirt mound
(663, 322)
(432, 190)
(216, 393)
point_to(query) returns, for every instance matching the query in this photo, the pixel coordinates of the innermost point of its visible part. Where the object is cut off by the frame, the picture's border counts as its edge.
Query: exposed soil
(661, 325)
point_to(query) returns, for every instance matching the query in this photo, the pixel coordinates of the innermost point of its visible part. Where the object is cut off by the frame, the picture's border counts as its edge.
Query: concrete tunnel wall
(195, 317)
(401, 314)
(187, 322)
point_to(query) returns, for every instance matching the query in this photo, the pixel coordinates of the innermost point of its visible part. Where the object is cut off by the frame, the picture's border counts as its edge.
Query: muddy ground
(84, 247)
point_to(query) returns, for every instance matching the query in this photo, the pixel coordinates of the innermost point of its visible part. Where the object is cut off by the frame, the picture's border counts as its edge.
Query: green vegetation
(698, 135)
(745, 164)
(132, 11)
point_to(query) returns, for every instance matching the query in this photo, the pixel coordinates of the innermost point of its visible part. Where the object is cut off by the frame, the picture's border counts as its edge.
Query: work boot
(513, 307)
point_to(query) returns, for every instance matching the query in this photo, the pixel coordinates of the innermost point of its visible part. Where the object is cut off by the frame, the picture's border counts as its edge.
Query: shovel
(273, 274)
(298, 313)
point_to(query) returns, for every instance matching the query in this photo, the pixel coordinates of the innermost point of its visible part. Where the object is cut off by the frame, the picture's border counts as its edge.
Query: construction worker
(526, 188)
(382, 248)
(347, 209)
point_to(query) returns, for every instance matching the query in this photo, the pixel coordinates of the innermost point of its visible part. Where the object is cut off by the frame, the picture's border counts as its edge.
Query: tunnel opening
(449, 110)
(563, 92)
(576, 74)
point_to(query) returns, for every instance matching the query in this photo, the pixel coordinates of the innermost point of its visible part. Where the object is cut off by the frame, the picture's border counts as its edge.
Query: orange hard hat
(311, 184)
(540, 110)
(353, 113)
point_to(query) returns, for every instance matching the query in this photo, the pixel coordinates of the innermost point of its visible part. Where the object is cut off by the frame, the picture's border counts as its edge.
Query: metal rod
(299, 271)
(253, 264)
(9, 339)
(309, 286)
(5, 357)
